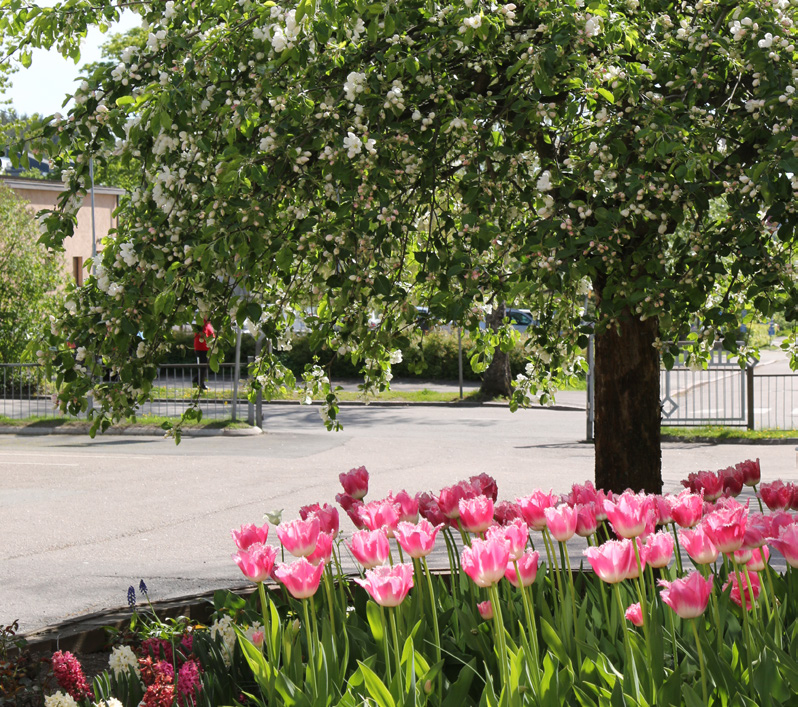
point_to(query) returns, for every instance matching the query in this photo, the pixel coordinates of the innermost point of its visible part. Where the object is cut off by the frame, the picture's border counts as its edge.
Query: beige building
(43, 194)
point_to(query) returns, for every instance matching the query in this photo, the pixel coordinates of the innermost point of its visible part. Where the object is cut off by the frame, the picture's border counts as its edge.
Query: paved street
(82, 519)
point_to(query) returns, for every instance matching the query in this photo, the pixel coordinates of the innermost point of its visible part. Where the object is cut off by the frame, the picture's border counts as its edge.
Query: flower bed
(682, 606)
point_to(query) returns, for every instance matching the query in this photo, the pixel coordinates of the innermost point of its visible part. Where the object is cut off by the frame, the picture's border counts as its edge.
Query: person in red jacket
(201, 339)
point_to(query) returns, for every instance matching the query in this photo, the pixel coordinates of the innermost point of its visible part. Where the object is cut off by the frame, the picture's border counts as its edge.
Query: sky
(43, 87)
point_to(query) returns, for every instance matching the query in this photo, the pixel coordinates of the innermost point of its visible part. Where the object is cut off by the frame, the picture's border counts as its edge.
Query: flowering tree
(635, 160)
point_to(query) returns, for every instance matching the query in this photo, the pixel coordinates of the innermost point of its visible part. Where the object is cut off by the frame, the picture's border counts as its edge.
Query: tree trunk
(496, 381)
(627, 404)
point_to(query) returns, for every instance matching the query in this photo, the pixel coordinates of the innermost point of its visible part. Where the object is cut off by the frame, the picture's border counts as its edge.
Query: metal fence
(25, 392)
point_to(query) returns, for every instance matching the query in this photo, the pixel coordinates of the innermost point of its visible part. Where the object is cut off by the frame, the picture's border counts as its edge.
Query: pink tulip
(662, 508)
(355, 482)
(450, 496)
(476, 514)
(300, 578)
(751, 471)
(256, 562)
(776, 495)
(299, 536)
(380, 514)
(634, 569)
(485, 485)
(708, 481)
(659, 549)
(687, 509)
(407, 505)
(370, 547)
(736, 596)
(388, 586)
(323, 550)
(586, 521)
(485, 609)
(628, 513)
(527, 569)
(757, 531)
(328, 517)
(732, 481)
(258, 638)
(249, 534)
(699, 546)
(429, 510)
(485, 561)
(787, 544)
(561, 522)
(533, 506)
(635, 614)
(417, 540)
(515, 534)
(689, 596)
(778, 520)
(505, 512)
(352, 508)
(584, 494)
(612, 561)
(726, 528)
(759, 558)
(742, 556)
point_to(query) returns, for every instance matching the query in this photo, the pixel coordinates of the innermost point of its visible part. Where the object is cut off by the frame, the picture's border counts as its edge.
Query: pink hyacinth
(485, 609)
(189, 683)
(249, 534)
(613, 561)
(256, 562)
(388, 586)
(380, 514)
(323, 550)
(476, 514)
(699, 546)
(634, 614)
(561, 522)
(737, 596)
(787, 544)
(300, 577)
(527, 569)
(329, 521)
(687, 509)
(485, 561)
(533, 507)
(726, 527)
(586, 521)
(659, 549)
(299, 536)
(407, 506)
(751, 472)
(689, 596)
(69, 675)
(776, 495)
(370, 547)
(515, 534)
(355, 482)
(628, 513)
(417, 540)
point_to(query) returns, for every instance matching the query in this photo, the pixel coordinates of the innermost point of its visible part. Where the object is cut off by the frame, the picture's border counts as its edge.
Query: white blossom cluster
(225, 629)
(122, 660)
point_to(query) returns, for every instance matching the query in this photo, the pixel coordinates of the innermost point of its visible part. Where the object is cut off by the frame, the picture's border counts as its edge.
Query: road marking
(70, 454)
(41, 464)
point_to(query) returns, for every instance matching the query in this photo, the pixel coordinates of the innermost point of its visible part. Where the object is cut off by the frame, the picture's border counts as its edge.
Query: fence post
(590, 384)
(749, 386)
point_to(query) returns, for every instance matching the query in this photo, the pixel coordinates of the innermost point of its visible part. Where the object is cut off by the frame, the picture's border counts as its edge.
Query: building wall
(78, 247)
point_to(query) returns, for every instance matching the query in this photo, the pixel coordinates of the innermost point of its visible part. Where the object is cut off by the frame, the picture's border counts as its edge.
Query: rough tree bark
(496, 381)
(627, 404)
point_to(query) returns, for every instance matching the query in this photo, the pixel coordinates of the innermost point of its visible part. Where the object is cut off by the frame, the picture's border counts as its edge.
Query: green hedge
(431, 356)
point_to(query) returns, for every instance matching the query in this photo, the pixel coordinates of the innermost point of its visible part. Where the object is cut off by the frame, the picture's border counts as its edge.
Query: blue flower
(142, 587)
(131, 596)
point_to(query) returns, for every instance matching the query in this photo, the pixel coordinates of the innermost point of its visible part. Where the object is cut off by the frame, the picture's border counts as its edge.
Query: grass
(141, 421)
(727, 433)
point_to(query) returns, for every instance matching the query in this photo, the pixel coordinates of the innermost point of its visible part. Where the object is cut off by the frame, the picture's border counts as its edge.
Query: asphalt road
(81, 519)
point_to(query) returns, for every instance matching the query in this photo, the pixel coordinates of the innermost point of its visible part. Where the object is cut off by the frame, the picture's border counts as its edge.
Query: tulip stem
(385, 646)
(678, 552)
(641, 592)
(533, 629)
(499, 624)
(673, 641)
(434, 620)
(756, 493)
(746, 626)
(339, 569)
(716, 615)
(554, 569)
(627, 649)
(773, 600)
(396, 650)
(311, 651)
(330, 605)
(267, 637)
(700, 660)
(754, 608)
(567, 563)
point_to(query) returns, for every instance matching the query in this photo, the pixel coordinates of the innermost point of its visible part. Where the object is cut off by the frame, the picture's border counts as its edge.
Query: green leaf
(691, 699)
(554, 643)
(374, 616)
(376, 687)
(606, 94)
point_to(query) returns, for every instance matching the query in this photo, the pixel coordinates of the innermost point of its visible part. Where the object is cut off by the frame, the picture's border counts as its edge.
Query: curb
(146, 431)
(730, 440)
